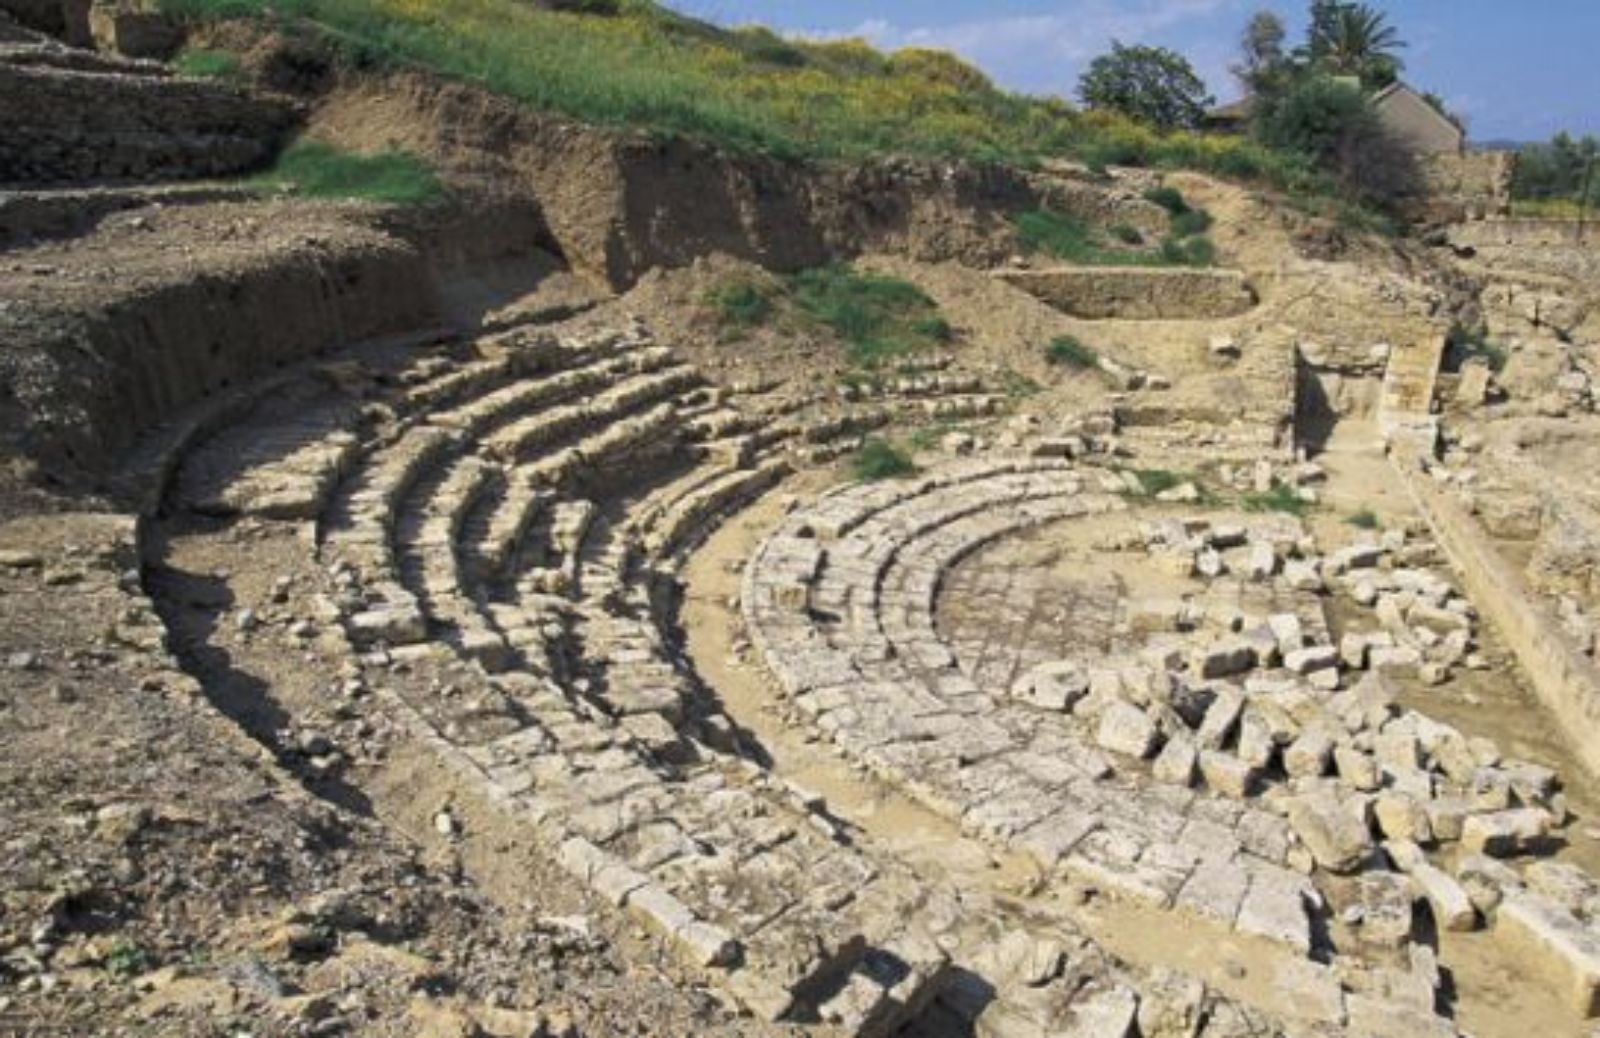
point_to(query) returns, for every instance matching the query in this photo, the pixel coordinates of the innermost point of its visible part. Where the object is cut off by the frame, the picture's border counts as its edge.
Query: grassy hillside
(647, 67)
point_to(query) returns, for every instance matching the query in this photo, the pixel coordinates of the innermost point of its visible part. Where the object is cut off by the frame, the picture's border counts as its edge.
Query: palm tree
(1353, 39)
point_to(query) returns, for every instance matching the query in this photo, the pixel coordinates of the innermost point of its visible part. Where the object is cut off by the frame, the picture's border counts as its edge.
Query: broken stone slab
(1221, 719)
(1053, 686)
(1262, 563)
(1177, 762)
(1127, 730)
(1227, 774)
(1356, 769)
(1311, 658)
(1453, 908)
(1385, 899)
(1275, 908)
(1486, 880)
(1288, 631)
(1224, 658)
(1331, 831)
(1402, 817)
(1309, 755)
(1503, 834)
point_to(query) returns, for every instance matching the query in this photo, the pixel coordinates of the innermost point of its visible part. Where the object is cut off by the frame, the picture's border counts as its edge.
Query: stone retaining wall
(1565, 682)
(1141, 293)
(1527, 232)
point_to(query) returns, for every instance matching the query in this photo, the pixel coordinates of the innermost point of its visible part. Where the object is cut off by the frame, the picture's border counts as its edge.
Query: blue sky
(1518, 69)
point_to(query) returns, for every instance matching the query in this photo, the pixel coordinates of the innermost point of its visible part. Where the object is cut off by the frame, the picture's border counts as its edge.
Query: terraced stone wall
(68, 125)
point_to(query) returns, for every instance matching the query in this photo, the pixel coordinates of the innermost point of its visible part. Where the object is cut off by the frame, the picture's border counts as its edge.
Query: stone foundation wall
(1152, 293)
(1565, 682)
(65, 125)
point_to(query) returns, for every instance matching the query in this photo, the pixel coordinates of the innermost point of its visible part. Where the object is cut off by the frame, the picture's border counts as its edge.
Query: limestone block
(1227, 774)
(1309, 755)
(1549, 939)
(1337, 839)
(1506, 833)
(1126, 729)
(1385, 899)
(1401, 817)
(1177, 762)
(1275, 908)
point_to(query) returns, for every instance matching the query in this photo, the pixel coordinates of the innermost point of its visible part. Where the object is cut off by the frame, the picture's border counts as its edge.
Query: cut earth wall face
(1098, 293)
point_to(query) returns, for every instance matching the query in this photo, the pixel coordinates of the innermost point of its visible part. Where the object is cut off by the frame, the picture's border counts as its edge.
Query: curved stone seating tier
(727, 863)
(1092, 773)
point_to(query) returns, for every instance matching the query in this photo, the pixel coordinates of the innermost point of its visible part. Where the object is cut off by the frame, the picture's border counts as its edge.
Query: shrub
(1168, 198)
(1067, 351)
(933, 327)
(742, 304)
(1191, 222)
(207, 64)
(317, 170)
(127, 959)
(1464, 344)
(1127, 234)
(879, 459)
(1364, 519)
(1333, 125)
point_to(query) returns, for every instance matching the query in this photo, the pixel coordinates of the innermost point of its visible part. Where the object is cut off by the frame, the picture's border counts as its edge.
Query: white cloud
(1046, 53)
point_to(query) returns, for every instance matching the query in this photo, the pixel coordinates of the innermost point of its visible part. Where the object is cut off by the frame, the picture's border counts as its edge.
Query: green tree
(1556, 169)
(1264, 64)
(1354, 39)
(1333, 124)
(1151, 84)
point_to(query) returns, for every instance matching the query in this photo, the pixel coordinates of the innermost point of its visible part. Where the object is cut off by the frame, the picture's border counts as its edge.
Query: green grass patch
(1464, 344)
(1071, 240)
(208, 64)
(316, 170)
(879, 459)
(1364, 519)
(1159, 481)
(879, 318)
(1068, 351)
(1281, 498)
